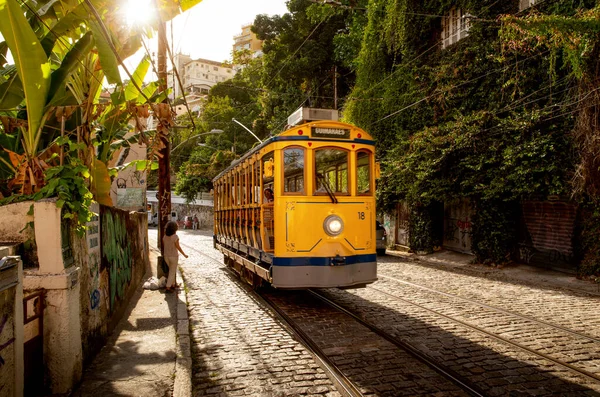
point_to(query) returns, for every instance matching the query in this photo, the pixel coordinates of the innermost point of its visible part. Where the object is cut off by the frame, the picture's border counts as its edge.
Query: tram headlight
(333, 225)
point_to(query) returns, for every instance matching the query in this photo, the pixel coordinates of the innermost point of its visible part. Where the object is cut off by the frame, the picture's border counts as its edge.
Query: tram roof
(304, 132)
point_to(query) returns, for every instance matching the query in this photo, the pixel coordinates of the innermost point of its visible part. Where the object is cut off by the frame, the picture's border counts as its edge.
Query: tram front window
(293, 170)
(331, 171)
(363, 172)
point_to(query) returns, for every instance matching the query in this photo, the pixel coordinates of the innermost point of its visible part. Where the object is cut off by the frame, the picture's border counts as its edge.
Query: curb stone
(539, 278)
(183, 365)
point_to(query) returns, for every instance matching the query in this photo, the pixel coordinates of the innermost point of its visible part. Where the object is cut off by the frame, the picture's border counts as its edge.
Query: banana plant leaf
(108, 59)
(100, 183)
(169, 9)
(131, 91)
(32, 66)
(140, 165)
(11, 91)
(3, 52)
(68, 65)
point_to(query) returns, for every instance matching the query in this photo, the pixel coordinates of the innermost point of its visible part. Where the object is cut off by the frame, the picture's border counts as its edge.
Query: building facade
(247, 40)
(197, 75)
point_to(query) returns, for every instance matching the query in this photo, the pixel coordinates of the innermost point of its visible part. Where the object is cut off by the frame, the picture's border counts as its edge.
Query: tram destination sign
(339, 133)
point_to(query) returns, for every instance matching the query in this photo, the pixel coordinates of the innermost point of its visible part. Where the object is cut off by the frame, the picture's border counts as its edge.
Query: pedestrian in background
(171, 252)
(195, 222)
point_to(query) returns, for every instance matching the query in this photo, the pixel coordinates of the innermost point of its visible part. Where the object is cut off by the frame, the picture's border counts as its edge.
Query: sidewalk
(148, 353)
(456, 261)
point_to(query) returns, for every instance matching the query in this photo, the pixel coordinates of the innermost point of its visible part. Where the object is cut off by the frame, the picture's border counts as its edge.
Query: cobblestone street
(503, 336)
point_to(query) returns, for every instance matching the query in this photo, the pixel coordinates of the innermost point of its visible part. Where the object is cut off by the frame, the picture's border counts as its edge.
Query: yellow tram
(298, 211)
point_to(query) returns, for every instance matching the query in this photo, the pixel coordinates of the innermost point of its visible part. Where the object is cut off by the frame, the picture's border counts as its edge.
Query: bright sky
(206, 31)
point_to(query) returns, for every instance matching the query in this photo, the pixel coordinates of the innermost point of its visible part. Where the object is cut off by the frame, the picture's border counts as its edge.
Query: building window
(215, 68)
(455, 26)
(523, 4)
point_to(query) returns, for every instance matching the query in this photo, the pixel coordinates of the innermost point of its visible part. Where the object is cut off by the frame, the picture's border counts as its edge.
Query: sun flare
(138, 12)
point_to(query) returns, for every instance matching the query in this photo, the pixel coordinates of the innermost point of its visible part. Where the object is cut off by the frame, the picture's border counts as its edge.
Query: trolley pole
(164, 172)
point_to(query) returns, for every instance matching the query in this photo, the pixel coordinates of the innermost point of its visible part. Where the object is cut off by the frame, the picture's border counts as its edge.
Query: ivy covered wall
(475, 120)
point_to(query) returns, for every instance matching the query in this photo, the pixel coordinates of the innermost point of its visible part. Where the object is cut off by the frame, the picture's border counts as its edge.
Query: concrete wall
(11, 328)
(88, 280)
(124, 254)
(204, 214)
(129, 178)
(13, 223)
(458, 226)
(114, 258)
(202, 207)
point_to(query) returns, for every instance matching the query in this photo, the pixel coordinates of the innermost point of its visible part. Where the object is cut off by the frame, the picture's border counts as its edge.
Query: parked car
(187, 222)
(381, 237)
(152, 219)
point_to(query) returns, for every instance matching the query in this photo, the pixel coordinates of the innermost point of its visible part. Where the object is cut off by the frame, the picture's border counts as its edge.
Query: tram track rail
(428, 299)
(494, 308)
(440, 368)
(500, 338)
(455, 378)
(345, 386)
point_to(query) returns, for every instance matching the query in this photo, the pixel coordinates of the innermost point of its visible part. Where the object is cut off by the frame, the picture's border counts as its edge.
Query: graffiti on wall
(116, 254)
(95, 289)
(93, 242)
(457, 225)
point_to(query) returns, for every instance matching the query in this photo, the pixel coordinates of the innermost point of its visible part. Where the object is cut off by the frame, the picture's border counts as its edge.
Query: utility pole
(164, 171)
(335, 97)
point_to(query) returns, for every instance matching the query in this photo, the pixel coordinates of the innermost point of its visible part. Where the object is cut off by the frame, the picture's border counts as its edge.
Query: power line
(176, 73)
(295, 52)
(455, 86)
(112, 47)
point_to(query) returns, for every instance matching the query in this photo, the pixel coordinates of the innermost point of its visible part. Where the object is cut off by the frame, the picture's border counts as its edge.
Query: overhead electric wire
(288, 58)
(457, 86)
(176, 73)
(113, 48)
(306, 99)
(436, 45)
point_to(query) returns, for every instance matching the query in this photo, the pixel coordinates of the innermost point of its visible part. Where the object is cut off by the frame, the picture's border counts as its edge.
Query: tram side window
(238, 187)
(363, 172)
(331, 170)
(293, 170)
(267, 181)
(256, 181)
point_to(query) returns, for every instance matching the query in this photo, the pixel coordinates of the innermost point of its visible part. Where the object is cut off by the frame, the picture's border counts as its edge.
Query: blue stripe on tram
(316, 261)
